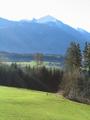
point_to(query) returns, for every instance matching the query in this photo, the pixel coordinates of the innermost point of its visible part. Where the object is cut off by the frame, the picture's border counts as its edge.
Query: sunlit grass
(21, 104)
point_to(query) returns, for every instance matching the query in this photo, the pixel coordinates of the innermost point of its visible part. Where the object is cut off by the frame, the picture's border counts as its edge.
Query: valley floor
(21, 104)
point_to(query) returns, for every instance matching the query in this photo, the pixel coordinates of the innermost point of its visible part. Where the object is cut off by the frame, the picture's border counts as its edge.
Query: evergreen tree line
(76, 77)
(38, 78)
(76, 59)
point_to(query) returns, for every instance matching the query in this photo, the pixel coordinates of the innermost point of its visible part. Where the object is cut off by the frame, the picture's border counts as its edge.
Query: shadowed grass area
(21, 104)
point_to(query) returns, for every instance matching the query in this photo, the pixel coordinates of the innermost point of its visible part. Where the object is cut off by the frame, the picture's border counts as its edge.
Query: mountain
(46, 35)
(85, 34)
(47, 19)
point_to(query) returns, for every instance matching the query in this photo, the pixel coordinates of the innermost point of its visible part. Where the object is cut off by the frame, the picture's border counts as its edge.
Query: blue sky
(73, 12)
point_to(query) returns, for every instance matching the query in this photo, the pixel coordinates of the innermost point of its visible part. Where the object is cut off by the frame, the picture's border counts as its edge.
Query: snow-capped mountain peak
(47, 19)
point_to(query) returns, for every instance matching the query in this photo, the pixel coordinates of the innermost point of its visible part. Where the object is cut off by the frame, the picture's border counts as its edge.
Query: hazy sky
(73, 12)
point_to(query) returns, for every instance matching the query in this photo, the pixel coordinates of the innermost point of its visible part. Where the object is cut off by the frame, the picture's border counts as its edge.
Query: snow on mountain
(44, 35)
(47, 19)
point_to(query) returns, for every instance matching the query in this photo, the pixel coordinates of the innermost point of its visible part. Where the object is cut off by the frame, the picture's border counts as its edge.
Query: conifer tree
(86, 56)
(73, 56)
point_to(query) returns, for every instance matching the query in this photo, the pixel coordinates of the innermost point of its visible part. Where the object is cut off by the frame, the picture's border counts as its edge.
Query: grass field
(21, 104)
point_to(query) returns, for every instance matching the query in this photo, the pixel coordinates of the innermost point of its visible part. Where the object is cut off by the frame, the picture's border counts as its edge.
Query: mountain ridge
(50, 36)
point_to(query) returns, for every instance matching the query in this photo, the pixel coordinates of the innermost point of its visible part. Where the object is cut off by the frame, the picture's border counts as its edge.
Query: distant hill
(45, 35)
(17, 57)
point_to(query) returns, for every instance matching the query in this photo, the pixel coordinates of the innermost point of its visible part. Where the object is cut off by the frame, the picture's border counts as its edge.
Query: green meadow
(22, 104)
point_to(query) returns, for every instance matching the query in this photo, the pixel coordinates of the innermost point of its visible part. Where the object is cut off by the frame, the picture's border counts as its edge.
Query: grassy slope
(19, 104)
